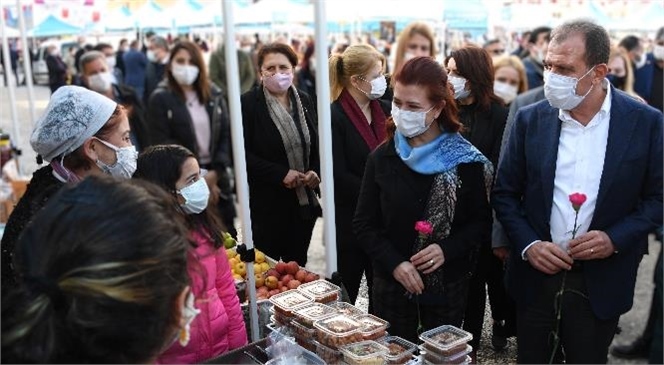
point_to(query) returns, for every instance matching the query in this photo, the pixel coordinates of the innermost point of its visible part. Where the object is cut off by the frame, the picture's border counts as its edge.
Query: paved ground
(632, 323)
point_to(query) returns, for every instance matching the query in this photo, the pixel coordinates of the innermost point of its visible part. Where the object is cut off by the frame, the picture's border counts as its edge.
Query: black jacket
(170, 123)
(127, 97)
(484, 130)
(267, 163)
(154, 75)
(57, 71)
(41, 188)
(394, 197)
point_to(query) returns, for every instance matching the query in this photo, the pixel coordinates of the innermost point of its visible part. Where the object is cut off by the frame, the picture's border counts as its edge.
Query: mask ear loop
(580, 78)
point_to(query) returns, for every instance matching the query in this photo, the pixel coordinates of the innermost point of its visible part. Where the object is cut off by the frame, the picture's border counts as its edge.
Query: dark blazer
(170, 123)
(267, 163)
(349, 155)
(393, 197)
(135, 63)
(484, 130)
(154, 75)
(629, 202)
(57, 72)
(644, 77)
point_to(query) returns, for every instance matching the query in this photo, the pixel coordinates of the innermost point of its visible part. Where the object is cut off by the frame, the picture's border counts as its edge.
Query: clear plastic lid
(321, 290)
(338, 325)
(446, 337)
(397, 348)
(347, 309)
(363, 350)
(371, 324)
(302, 330)
(290, 300)
(310, 313)
(457, 358)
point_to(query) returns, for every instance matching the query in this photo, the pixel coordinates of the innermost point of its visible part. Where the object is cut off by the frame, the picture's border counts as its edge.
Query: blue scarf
(443, 153)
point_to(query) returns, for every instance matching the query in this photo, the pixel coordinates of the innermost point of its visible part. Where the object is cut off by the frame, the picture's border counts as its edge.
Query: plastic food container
(364, 353)
(399, 351)
(306, 357)
(321, 290)
(307, 343)
(446, 340)
(302, 331)
(459, 358)
(337, 331)
(285, 303)
(330, 356)
(373, 327)
(311, 313)
(347, 309)
(278, 318)
(279, 331)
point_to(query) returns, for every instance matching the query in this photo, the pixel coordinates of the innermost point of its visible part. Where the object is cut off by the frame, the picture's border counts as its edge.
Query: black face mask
(617, 81)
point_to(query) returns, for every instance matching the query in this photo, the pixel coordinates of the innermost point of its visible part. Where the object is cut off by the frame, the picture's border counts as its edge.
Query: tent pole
(325, 138)
(237, 138)
(27, 64)
(10, 86)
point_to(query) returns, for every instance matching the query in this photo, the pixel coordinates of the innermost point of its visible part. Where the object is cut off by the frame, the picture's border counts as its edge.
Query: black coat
(349, 153)
(394, 197)
(126, 96)
(267, 163)
(57, 72)
(484, 130)
(170, 123)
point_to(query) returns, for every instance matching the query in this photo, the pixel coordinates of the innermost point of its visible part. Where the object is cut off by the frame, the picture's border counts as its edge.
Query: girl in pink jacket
(220, 325)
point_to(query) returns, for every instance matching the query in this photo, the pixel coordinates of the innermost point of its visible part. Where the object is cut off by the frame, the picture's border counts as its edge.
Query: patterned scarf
(373, 134)
(441, 157)
(297, 146)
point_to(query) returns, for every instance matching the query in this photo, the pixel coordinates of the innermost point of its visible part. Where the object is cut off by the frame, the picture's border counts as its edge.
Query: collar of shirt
(603, 114)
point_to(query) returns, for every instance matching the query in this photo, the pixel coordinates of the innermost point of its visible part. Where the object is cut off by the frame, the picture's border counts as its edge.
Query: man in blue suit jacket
(588, 138)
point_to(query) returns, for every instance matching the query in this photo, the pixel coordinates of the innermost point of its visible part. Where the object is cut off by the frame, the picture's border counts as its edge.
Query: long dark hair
(426, 73)
(162, 165)
(201, 85)
(475, 65)
(102, 266)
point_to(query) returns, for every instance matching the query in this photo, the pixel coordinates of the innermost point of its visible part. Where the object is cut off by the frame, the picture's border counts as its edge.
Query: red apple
(273, 272)
(310, 277)
(273, 292)
(286, 278)
(293, 284)
(292, 267)
(301, 275)
(281, 268)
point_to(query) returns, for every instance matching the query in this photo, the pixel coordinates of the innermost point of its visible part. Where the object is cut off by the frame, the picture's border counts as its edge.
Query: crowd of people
(453, 178)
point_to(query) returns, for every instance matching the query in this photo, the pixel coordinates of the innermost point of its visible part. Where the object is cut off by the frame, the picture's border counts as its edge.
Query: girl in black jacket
(186, 109)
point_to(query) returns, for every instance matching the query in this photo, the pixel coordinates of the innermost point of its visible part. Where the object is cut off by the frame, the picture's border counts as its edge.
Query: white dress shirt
(579, 167)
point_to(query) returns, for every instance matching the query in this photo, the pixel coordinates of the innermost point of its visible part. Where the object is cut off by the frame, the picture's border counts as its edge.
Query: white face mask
(151, 56)
(184, 74)
(560, 90)
(195, 196)
(100, 82)
(459, 84)
(408, 56)
(125, 161)
(641, 61)
(110, 61)
(279, 82)
(378, 87)
(410, 124)
(658, 52)
(505, 91)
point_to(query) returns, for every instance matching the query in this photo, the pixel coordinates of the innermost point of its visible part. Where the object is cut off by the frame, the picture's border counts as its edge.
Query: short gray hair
(88, 57)
(595, 37)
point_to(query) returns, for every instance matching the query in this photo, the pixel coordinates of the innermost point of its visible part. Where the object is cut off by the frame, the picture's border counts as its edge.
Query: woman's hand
(407, 275)
(293, 179)
(429, 259)
(311, 179)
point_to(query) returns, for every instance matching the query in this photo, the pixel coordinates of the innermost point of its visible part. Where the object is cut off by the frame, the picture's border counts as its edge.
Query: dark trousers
(352, 262)
(584, 338)
(393, 305)
(489, 271)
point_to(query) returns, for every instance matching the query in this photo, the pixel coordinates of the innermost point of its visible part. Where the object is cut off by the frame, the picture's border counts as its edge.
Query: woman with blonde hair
(621, 74)
(509, 78)
(416, 40)
(358, 127)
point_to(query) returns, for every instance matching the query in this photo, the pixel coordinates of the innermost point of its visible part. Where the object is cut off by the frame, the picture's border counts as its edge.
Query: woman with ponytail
(358, 127)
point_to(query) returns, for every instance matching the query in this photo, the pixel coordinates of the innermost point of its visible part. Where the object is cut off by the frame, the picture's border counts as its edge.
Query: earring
(185, 335)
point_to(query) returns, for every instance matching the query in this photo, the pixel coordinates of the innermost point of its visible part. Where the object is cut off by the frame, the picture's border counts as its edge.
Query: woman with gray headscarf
(81, 133)
(281, 144)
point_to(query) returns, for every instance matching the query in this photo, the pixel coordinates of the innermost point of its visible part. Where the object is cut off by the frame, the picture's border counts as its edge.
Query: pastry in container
(399, 351)
(347, 309)
(286, 302)
(329, 355)
(364, 353)
(302, 331)
(445, 340)
(458, 358)
(313, 312)
(321, 290)
(337, 331)
(373, 327)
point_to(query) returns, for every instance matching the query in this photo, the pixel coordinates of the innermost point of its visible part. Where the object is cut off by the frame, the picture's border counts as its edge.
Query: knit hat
(73, 115)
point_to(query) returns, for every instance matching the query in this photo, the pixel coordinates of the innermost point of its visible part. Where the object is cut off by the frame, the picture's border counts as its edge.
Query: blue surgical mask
(195, 196)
